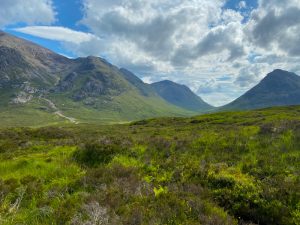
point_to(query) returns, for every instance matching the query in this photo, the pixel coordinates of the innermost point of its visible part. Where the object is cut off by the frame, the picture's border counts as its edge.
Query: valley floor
(225, 168)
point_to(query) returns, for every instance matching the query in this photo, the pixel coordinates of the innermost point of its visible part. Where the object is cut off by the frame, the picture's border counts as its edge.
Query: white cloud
(147, 79)
(57, 33)
(28, 11)
(155, 28)
(80, 43)
(275, 26)
(242, 5)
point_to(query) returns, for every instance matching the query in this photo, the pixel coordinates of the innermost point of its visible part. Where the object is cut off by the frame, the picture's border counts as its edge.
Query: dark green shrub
(141, 122)
(222, 182)
(50, 133)
(93, 154)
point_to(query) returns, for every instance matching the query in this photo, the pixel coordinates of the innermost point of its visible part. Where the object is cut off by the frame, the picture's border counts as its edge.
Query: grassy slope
(213, 169)
(123, 108)
(28, 115)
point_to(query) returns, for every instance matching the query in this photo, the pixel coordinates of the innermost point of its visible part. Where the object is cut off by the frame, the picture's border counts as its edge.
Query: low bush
(93, 154)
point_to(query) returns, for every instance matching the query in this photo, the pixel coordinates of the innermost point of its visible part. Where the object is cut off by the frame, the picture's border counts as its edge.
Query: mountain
(22, 61)
(38, 87)
(278, 88)
(145, 89)
(181, 96)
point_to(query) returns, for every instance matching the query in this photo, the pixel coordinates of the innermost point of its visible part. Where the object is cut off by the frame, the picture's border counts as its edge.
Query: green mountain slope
(40, 82)
(279, 88)
(181, 96)
(145, 89)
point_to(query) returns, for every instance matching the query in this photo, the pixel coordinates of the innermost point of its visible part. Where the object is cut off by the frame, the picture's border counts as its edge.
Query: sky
(219, 48)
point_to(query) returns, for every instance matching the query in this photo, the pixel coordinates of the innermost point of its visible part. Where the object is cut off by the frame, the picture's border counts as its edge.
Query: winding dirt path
(60, 113)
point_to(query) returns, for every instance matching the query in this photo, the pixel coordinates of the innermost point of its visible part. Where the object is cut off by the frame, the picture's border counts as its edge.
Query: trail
(58, 112)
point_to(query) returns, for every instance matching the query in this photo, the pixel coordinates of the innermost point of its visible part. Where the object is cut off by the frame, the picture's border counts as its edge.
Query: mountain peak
(168, 82)
(180, 95)
(281, 78)
(278, 73)
(173, 84)
(278, 88)
(282, 75)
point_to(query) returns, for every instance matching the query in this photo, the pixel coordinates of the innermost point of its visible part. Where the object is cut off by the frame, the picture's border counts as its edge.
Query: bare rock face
(35, 55)
(13, 67)
(22, 98)
(67, 83)
(10, 57)
(26, 93)
(22, 61)
(29, 89)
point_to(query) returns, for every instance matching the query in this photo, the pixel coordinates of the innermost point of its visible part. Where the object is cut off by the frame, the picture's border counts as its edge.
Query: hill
(49, 88)
(278, 88)
(181, 96)
(219, 169)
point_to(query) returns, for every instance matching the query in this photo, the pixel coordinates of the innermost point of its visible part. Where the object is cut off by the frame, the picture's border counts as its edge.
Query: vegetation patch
(231, 168)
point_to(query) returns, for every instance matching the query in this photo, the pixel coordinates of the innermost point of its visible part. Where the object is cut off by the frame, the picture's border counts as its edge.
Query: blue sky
(218, 48)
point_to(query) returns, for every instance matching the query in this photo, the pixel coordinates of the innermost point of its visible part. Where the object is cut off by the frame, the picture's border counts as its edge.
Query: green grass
(215, 169)
(28, 179)
(124, 108)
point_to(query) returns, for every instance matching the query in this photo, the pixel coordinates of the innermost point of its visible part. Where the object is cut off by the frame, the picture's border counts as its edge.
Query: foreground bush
(93, 154)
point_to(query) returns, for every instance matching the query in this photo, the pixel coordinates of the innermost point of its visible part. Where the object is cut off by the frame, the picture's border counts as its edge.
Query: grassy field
(217, 169)
(121, 109)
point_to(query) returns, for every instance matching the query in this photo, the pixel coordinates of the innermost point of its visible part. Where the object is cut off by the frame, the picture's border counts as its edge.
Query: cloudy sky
(219, 48)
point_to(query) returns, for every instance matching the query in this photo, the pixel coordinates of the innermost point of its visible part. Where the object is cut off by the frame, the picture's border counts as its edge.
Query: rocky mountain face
(181, 96)
(22, 61)
(278, 88)
(92, 77)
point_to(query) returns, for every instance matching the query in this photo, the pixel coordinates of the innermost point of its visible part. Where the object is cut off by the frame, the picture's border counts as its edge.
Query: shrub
(93, 154)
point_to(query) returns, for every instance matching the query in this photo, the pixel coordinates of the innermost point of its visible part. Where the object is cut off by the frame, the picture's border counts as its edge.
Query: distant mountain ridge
(181, 96)
(145, 89)
(278, 88)
(49, 87)
(40, 87)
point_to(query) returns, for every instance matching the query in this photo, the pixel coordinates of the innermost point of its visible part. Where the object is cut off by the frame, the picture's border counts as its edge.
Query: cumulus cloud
(221, 38)
(275, 25)
(80, 43)
(29, 12)
(155, 28)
